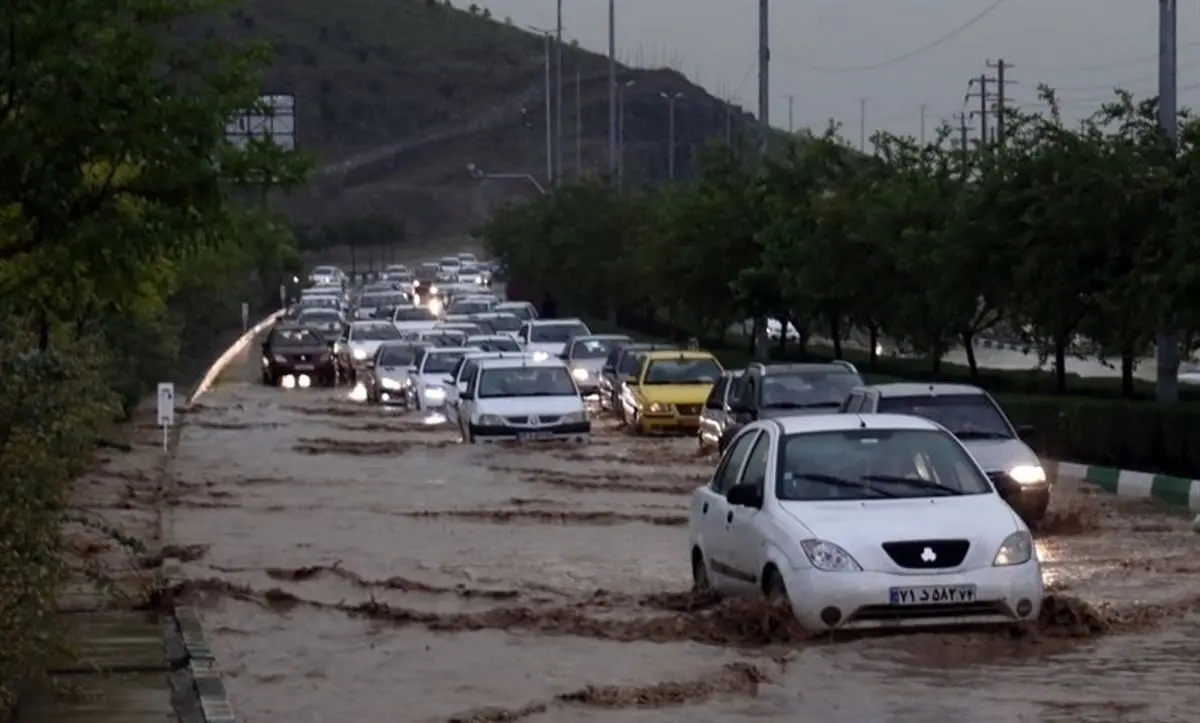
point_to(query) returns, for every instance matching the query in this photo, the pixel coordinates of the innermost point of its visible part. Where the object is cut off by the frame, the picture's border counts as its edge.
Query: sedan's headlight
(575, 418)
(1027, 474)
(1016, 549)
(657, 408)
(490, 420)
(580, 375)
(391, 384)
(435, 392)
(829, 557)
(281, 359)
(360, 354)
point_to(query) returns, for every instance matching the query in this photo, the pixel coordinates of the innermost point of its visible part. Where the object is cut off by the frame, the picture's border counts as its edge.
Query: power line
(915, 51)
(1102, 66)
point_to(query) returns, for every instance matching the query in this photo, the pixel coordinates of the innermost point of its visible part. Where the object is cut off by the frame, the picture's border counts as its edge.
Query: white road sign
(166, 404)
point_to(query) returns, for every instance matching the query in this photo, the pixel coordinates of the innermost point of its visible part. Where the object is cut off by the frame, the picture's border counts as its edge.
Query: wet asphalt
(353, 563)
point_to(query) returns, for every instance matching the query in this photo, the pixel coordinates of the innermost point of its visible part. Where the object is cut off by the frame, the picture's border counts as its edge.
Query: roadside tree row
(128, 241)
(1072, 239)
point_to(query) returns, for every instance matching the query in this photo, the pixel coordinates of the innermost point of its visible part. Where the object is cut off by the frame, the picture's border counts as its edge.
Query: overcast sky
(831, 54)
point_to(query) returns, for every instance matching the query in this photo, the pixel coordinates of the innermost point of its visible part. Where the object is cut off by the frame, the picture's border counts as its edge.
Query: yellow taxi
(669, 390)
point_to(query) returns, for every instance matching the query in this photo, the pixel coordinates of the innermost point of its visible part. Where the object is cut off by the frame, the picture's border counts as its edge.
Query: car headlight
(1016, 549)
(433, 289)
(391, 384)
(435, 392)
(580, 375)
(281, 359)
(360, 354)
(479, 279)
(575, 418)
(658, 408)
(829, 557)
(540, 356)
(1027, 474)
(435, 306)
(490, 420)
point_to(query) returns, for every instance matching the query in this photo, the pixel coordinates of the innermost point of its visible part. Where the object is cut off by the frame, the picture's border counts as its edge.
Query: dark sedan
(297, 352)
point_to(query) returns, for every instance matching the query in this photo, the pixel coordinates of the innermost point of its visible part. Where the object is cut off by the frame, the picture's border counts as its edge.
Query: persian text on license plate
(933, 595)
(304, 367)
(524, 436)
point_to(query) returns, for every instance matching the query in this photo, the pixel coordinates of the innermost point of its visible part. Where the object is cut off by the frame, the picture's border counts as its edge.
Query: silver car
(585, 357)
(387, 379)
(714, 416)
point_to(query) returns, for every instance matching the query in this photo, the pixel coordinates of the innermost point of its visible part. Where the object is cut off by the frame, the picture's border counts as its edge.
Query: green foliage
(1071, 241)
(125, 251)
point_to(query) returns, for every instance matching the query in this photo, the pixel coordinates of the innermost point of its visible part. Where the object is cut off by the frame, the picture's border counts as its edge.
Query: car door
(450, 384)
(523, 335)
(466, 401)
(712, 417)
(711, 514)
(747, 528)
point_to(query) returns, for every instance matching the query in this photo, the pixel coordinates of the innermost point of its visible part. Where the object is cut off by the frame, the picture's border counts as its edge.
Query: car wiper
(844, 483)
(802, 405)
(980, 434)
(924, 484)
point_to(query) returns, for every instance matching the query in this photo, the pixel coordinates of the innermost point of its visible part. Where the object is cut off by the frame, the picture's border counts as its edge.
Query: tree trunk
(968, 341)
(1128, 359)
(873, 343)
(1060, 365)
(835, 331)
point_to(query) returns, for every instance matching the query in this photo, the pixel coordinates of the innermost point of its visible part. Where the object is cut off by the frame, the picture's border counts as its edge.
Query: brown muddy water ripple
(352, 563)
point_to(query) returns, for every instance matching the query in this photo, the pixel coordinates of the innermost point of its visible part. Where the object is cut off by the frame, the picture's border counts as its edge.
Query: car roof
(482, 354)
(370, 322)
(492, 315)
(799, 367)
(514, 304)
(599, 337)
(685, 354)
(913, 389)
(808, 424)
(450, 350)
(516, 362)
(489, 337)
(552, 322)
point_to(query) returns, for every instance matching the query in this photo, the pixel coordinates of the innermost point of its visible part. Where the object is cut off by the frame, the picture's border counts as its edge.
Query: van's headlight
(360, 354)
(826, 556)
(1016, 549)
(575, 418)
(490, 420)
(391, 384)
(1027, 474)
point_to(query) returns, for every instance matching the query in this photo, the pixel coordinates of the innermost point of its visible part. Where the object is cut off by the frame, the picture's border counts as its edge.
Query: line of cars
(862, 506)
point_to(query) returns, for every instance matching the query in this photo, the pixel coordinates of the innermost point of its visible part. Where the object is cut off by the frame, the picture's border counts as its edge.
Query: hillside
(396, 98)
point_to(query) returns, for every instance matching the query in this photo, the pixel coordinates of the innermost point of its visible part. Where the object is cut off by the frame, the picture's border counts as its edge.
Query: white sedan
(517, 398)
(863, 521)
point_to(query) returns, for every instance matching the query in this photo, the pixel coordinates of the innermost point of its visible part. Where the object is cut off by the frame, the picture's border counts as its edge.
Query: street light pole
(1166, 341)
(549, 108)
(621, 131)
(671, 98)
(612, 89)
(558, 121)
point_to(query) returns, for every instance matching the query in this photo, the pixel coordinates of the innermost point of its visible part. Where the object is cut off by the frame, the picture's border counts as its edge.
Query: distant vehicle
(524, 400)
(454, 338)
(523, 310)
(327, 275)
(369, 304)
(714, 418)
(469, 305)
(862, 521)
(456, 379)
(326, 321)
(971, 415)
(585, 356)
(498, 323)
(385, 382)
(620, 367)
(493, 342)
(550, 336)
(668, 390)
(361, 340)
(775, 390)
(291, 351)
(466, 257)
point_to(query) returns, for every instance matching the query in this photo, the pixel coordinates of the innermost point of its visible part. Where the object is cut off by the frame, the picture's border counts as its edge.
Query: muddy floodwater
(352, 564)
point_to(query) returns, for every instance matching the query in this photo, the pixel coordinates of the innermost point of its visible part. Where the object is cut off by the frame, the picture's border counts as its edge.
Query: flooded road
(355, 564)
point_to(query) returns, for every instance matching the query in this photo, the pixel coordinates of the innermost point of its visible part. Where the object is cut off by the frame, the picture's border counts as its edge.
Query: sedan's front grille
(532, 420)
(927, 554)
(925, 612)
(690, 409)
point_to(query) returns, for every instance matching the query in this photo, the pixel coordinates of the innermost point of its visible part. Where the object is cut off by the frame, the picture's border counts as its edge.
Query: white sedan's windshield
(526, 382)
(593, 348)
(556, 333)
(967, 416)
(441, 363)
(374, 332)
(870, 463)
(682, 371)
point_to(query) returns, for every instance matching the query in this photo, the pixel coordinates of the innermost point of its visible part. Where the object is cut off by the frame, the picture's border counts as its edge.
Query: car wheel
(773, 586)
(636, 425)
(700, 581)
(268, 378)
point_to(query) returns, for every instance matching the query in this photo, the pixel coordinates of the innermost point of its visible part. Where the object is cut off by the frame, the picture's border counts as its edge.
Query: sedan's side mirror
(448, 380)
(1026, 431)
(745, 495)
(412, 370)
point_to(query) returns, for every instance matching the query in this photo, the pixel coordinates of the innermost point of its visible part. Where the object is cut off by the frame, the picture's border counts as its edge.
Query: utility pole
(550, 178)
(612, 89)
(791, 99)
(558, 121)
(964, 138)
(1166, 341)
(764, 78)
(761, 342)
(728, 124)
(671, 98)
(1002, 84)
(923, 106)
(578, 124)
(862, 125)
(621, 132)
(981, 81)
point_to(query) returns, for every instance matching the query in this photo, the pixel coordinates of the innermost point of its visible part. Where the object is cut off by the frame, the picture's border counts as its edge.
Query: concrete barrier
(234, 349)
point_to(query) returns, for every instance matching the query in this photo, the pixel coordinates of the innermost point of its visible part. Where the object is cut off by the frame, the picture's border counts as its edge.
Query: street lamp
(548, 34)
(621, 131)
(671, 98)
(479, 174)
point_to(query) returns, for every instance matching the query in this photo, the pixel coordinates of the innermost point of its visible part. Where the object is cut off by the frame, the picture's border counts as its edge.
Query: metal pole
(922, 124)
(1000, 84)
(612, 88)
(728, 124)
(764, 76)
(1166, 341)
(621, 137)
(549, 118)
(791, 115)
(983, 109)
(862, 125)
(558, 121)
(671, 137)
(578, 124)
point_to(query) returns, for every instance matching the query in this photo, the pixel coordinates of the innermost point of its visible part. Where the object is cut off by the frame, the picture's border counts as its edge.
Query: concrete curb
(203, 675)
(1129, 484)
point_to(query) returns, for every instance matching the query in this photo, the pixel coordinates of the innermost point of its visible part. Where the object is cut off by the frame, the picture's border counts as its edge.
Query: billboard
(275, 119)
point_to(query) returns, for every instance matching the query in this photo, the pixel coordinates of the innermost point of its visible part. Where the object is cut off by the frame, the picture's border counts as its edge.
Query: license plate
(933, 595)
(304, 367)
(529, 436)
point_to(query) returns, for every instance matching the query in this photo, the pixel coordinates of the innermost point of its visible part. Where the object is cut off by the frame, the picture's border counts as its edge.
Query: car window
(716, 397)
(454, 372)
(467, 370)
(967, 416)
(727, 474)
(469, 392)
(682, 371)
(610, 361)
(746, 394)
(823, 388)
(755, 471)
